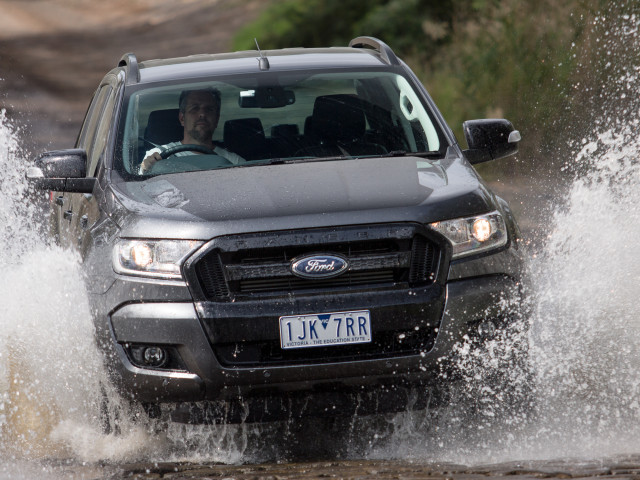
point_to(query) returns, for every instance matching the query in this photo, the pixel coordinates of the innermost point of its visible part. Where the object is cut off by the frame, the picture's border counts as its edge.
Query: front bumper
(179, 324)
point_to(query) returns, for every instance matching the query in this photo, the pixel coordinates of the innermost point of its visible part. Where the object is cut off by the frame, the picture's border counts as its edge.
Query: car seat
(245, 136)
(339, 124)
(163, 127)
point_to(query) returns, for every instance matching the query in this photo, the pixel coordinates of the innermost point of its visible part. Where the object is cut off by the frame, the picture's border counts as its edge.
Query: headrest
(242, 130)
(245, 136)
(164, 127)
(338, 118)
(285, 130)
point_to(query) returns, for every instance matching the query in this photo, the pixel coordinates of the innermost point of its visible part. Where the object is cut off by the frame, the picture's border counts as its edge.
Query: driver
(199, 115)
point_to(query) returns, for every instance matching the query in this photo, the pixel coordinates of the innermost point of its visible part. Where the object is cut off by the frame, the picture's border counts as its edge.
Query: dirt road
(54, 53)
(614, 469)
(622, 468)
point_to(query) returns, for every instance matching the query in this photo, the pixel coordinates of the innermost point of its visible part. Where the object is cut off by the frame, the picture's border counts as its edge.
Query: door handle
(84, 221)
(67, 215)
(59, 200)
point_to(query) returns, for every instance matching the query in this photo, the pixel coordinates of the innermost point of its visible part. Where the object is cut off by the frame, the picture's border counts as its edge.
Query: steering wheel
(184, 148)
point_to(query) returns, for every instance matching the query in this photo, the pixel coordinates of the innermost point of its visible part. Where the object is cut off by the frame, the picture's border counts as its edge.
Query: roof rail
(132, 71)
(379, 46)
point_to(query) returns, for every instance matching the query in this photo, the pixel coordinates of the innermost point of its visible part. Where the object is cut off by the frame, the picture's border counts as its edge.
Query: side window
(102, 133)
(88, 131)
(87, 119)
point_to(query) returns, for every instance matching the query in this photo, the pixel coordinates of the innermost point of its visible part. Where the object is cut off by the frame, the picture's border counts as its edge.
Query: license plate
(325, 329)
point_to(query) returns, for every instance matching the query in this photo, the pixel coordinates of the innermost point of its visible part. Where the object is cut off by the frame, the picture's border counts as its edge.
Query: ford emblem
(319, 266)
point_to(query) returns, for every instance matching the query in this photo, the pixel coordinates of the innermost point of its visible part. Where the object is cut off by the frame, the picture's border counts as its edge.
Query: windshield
(290, 118)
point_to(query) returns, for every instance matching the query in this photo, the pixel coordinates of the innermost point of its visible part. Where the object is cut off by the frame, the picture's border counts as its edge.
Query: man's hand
(148, 163)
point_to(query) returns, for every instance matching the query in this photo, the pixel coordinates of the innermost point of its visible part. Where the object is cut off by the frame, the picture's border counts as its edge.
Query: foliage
(517, 59)
(509, 59)
(305, 23)
(320, 23)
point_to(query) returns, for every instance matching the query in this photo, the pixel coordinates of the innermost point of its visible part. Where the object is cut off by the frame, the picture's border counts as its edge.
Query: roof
(195, 66)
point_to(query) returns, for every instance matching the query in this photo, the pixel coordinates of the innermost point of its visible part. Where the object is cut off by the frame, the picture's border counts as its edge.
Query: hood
(343, 188)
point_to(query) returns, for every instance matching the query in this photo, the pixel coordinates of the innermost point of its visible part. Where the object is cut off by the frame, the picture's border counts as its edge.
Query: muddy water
(583, 337)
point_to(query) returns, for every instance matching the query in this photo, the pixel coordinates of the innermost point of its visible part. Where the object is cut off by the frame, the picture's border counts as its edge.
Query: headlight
(152, 258)
(473, 234)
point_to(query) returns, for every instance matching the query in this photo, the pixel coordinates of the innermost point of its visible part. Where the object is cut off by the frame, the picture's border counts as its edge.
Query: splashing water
(51, 377)
(586, 334)
(25, 407)
(583, 332)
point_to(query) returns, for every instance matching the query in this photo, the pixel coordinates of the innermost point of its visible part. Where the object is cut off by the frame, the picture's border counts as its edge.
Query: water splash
(585, 337)
(51, 376)
(586, 334)
(583, 332)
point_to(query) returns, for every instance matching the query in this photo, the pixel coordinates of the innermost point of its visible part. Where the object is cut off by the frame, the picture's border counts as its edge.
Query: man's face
(200, 117)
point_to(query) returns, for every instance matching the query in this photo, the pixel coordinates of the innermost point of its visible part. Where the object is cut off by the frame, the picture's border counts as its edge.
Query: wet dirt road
(627, 467)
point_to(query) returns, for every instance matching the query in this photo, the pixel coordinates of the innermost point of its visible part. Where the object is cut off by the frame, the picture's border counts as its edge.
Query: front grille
(260, 264)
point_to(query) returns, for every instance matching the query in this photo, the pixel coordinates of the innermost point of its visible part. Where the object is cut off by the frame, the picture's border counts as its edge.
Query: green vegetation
(519, 59)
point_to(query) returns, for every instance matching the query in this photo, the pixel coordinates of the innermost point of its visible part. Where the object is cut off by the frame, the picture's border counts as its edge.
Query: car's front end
(221, 315)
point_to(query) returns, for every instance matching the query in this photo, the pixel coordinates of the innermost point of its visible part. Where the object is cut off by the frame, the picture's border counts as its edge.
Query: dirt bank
(53, 54)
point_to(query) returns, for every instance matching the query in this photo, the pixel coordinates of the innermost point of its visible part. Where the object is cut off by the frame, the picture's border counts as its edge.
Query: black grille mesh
(211, 277)
(422, 260)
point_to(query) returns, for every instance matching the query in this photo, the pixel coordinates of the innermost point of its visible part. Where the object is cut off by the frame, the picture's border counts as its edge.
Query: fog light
(164, 357)
(486, 329)
(154, 356)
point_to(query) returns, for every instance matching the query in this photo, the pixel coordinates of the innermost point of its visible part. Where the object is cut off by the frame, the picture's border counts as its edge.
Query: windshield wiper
(404, 153)
(282, 161)
(321, 159)
(432, 154)
(288, 160)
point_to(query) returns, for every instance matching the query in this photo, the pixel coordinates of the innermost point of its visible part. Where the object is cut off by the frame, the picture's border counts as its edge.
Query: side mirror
(61, 171)
(490, 139)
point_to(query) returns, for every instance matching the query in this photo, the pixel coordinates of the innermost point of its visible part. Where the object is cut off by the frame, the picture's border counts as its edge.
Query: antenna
(263, 61)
